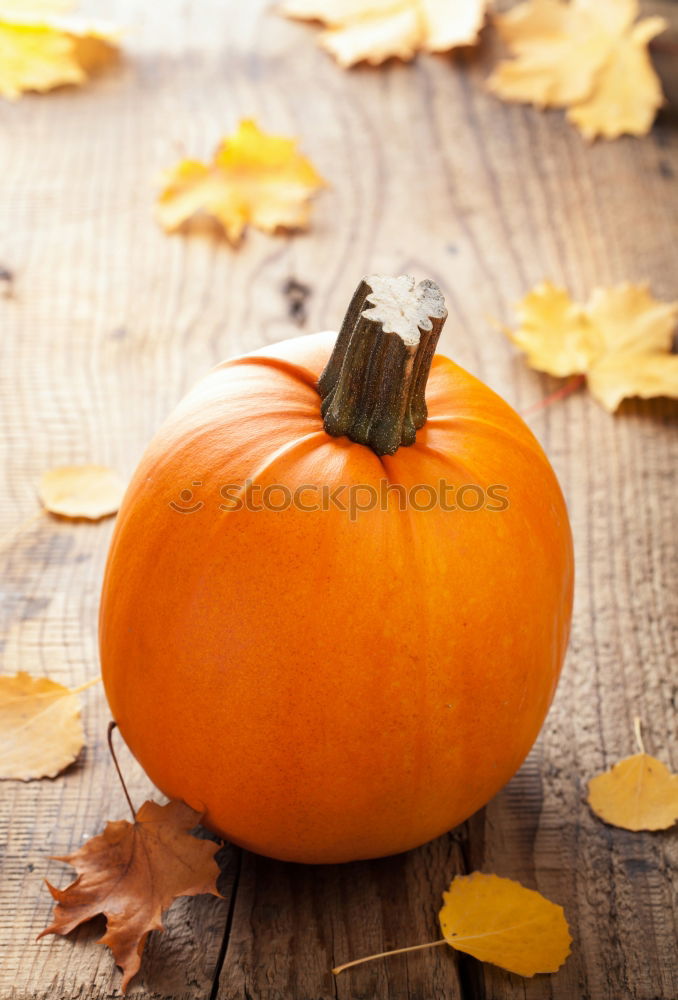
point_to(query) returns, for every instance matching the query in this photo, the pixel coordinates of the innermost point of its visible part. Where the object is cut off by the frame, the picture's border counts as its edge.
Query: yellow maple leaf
(40, 728)
(500, 921)
(81, 491)
(375, 30)
(586, 55)
(621, 340)
(40, 52)
(638, 793)
(254, 178)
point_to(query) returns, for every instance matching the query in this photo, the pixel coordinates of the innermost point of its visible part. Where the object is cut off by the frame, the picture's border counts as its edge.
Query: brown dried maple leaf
(131, 873)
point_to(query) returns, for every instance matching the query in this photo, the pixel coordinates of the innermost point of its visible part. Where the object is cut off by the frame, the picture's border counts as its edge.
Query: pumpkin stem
(374, 385)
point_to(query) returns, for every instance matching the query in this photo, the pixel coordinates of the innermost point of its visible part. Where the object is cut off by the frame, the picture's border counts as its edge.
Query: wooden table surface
(106, 322)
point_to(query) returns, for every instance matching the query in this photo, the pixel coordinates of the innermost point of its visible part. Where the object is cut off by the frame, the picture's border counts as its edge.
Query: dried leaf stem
(111, 726)
(385, 954)
(573, 383)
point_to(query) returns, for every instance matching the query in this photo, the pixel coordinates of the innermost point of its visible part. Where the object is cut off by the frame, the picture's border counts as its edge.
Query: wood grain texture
(105, 324)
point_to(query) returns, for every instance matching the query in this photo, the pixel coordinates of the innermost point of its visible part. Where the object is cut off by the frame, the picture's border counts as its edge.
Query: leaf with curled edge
(376, 30)
(131, 873)
(589, 56)
(81, 491)
(41, 731)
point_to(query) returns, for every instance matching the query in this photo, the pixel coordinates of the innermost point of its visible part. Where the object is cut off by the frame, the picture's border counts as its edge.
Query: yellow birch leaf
(255, 178)
(40, 728)
(81, 491)
(621, 340)
(498, 920)
(375, 30)
(40, 52)
(586, 55)
(638, 793)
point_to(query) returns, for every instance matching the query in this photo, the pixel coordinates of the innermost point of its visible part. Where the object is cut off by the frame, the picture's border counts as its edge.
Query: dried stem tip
(373, 388)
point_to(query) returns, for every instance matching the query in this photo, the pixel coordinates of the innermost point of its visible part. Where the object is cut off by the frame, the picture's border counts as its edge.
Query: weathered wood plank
(293, 923)
(109, 323)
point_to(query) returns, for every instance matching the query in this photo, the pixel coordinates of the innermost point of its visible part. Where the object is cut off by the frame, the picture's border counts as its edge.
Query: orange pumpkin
(331, 684)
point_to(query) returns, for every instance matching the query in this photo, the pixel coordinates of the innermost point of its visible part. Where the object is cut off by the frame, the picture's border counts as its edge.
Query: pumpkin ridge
(295, 371)
(489, 427)
(450, 461)
(282, 452)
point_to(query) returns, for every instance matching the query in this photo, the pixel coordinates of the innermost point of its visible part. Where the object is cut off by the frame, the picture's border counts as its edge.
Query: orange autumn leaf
(131, 873)
(81, 491)
(638, 793)
(254, 178)
(375, 30)
(500, 921)
(497, 920)
(40, 51)
(587, 56)
(40, 728)
(620, 339)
